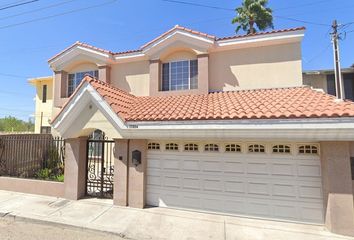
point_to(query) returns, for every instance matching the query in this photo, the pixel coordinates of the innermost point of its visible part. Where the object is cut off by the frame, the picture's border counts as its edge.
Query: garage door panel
(191, 165)
(191, 183)
(258, 188)
(211, 166)
(234, 186)
(234, 167)
(306, 170)
(284, 190)
(283, 169)
(281, 186)
(313, 192)
(257, 168)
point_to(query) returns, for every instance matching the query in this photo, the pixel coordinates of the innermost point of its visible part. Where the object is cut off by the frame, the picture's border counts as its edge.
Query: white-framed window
(171, 146)
(191, 147)
(256, 148)
(211, 148)
(281, 149)
(232, 148)
(179, 75)
(74, 79)
(308, 149)
(154, 146)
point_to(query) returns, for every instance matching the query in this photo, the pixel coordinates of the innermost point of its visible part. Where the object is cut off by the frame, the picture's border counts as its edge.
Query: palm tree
(251, 13)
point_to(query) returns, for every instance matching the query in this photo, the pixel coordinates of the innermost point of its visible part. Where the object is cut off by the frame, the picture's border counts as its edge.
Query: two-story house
(209, 124)
(43, 103)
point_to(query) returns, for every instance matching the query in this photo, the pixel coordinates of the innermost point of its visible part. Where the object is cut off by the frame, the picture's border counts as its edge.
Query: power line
(18, 4)
(320, 53)
(229, 9)
(300, 5)
(14, 75)
(37, 10)
(57, 15)
(303, 21)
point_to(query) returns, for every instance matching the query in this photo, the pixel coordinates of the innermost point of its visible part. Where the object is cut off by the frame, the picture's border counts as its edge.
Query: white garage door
(272, 184)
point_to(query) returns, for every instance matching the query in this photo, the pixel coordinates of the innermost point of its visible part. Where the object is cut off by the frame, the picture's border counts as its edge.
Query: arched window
(281, 149)
(256, 148)
(211, 148)
(171, 146)
(154, 146)
(308, 149)
(233, 148)
(191, 147)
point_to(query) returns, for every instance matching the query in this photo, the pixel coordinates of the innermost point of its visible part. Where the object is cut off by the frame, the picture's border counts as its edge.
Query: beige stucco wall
(47, 188)
(259, 67)
(82, 67)
(132, 77)
(99, 121)
(43, 111)
(318, 81)
(178, 56)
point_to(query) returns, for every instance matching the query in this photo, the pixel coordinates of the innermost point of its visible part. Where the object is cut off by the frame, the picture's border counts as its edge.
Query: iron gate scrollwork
(100, 166)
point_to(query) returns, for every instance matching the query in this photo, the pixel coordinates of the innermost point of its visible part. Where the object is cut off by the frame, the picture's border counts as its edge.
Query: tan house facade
(203, 123)
(43, 103)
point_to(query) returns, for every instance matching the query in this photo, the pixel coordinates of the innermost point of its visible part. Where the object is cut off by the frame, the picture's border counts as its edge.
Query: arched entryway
(100, 165)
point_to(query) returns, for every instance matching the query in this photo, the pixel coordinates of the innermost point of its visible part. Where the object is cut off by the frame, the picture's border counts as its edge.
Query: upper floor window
(180, 75)
(44, 94)
(74, 80)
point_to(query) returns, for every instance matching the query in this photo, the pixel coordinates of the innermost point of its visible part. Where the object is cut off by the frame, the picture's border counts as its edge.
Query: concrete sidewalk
(152, 223)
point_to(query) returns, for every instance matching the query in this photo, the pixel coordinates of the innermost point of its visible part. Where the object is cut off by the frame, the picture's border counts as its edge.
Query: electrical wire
(17, 5)
(229, 9)
(57, 15)
(37, 10)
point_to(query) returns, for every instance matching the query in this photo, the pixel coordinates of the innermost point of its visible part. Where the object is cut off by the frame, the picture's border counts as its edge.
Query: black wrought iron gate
(100, 168)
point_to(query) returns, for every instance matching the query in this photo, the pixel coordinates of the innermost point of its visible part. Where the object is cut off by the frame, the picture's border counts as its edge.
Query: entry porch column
(129, 179)
(75, 168)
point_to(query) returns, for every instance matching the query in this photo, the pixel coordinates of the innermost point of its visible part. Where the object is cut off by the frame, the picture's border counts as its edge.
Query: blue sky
(127, 24)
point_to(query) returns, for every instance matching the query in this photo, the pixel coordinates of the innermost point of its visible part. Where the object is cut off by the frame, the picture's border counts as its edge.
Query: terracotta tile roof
(82, 45)
(177, 27)
(120, 101)
(277, 103)
(261, 33)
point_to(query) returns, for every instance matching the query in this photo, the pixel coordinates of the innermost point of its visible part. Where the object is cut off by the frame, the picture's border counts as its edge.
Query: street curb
(13, 217)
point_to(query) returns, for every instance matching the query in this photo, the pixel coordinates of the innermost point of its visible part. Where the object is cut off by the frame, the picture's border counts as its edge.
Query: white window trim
(169, 73)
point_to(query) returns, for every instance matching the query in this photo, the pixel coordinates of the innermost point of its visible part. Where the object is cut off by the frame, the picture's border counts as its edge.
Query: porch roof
(277, 103)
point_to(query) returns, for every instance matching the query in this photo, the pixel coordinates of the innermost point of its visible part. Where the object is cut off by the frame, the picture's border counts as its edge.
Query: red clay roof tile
(277, 103)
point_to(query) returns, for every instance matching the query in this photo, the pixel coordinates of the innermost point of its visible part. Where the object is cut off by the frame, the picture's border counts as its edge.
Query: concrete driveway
(151, 223)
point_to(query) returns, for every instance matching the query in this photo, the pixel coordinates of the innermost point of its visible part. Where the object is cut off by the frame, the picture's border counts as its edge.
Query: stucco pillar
(337, 187)
(137, 175)
(155, 73)
(203, 73)
(104, 74)
(75, 168)
(120, 193)
(60, 87)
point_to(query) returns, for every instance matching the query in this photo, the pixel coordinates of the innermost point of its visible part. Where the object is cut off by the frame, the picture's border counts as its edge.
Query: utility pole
(337, 69)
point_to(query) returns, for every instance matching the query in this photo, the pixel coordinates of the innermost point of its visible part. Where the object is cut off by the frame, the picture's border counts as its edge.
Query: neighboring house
(44, 103)
(209, 124)
(325, 79)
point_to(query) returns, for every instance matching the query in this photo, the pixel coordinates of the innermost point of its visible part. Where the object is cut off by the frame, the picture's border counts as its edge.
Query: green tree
(253, 13)
(12, 124)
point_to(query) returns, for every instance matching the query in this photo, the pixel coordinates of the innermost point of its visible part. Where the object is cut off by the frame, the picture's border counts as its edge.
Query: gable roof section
(277, 103)
(261, 33)
(171, 31)
(176, 28)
